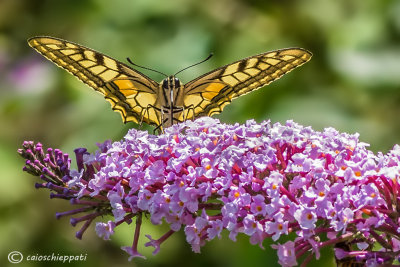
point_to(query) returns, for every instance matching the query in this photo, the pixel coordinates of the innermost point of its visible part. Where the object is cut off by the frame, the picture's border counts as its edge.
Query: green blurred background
(352, 84)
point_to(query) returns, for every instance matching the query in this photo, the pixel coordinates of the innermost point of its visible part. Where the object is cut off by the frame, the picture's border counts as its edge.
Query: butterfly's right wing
(211, 92)
(130, 92)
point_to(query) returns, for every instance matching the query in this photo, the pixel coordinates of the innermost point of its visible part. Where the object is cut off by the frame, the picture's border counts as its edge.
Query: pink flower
(257, 179)
(286, 253)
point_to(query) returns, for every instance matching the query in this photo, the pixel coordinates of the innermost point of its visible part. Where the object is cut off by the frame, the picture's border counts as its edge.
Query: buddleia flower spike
(265, 181)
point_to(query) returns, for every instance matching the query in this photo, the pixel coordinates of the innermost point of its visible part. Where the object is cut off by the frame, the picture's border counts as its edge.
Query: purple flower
(306, 217)
(258, 179)
(341, 253)
(133, 253)
(286, 253)
(345, 216)
(251, 225)
(277, 226)
(105, 230)
(215, 229)
(258, 206)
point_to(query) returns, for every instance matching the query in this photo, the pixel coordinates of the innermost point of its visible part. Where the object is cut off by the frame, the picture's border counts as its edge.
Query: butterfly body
(171, 101)
(140, 99)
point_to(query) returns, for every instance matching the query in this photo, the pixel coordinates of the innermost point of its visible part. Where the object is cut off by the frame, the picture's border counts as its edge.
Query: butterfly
(140, 99)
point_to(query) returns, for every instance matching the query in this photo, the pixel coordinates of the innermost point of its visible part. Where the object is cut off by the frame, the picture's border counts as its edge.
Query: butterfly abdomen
(171, 101)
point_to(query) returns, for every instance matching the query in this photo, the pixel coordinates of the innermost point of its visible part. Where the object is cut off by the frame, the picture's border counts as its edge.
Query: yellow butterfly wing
(211, 92)
(130, 92)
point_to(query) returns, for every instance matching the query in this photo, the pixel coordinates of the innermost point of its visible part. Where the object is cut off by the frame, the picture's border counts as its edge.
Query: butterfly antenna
(204, 60)
(136, 65)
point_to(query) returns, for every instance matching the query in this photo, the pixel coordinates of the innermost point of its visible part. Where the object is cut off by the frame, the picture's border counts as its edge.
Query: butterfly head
(170, 82)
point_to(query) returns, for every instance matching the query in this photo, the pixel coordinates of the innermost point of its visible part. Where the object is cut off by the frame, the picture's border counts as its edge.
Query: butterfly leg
(159, 128)
(177, 113)
(163, 120)
(146, 112)
(142, 114)
(190, 108)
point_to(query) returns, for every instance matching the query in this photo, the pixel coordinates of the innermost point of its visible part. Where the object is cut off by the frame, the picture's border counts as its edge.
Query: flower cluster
(262, 180)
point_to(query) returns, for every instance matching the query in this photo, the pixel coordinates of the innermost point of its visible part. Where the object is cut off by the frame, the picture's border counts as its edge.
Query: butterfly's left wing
(211, 92)
(129, 92)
